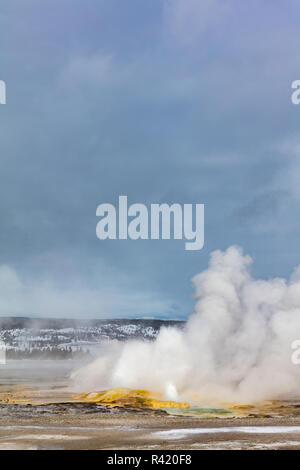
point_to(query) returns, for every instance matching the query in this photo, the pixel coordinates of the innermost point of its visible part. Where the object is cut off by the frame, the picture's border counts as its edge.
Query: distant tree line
(47, 353)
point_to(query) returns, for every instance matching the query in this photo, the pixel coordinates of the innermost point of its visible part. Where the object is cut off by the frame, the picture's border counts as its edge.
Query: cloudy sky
(165, 101)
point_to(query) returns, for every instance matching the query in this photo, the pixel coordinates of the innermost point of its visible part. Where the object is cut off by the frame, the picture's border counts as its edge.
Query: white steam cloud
(235, 347)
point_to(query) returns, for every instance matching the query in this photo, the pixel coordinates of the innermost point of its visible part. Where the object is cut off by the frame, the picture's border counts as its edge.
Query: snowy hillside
(58, 338)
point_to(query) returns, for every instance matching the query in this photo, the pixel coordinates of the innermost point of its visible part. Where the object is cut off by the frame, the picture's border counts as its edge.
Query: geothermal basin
(39, 410)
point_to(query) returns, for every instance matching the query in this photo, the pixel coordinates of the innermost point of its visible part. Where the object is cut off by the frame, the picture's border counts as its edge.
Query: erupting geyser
(235, 347)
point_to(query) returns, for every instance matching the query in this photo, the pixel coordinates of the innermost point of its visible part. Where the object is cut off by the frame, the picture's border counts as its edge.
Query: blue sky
(164, 101)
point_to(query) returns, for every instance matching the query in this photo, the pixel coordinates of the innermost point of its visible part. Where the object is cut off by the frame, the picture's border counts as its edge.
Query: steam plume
(235, 347)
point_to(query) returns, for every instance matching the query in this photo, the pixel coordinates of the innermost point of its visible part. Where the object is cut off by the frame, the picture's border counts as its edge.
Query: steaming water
(202, 412)
(236, 347)
(41, 371)
(181, 433)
